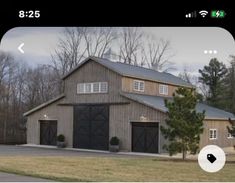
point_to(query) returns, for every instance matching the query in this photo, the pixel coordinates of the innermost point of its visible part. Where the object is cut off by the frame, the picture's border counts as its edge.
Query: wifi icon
(203, 13)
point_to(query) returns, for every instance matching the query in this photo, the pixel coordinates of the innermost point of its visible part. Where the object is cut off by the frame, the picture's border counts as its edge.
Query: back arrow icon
(20, 48)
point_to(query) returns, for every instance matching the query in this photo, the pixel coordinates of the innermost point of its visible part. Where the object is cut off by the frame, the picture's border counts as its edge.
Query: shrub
(61, 138)
(114, 141)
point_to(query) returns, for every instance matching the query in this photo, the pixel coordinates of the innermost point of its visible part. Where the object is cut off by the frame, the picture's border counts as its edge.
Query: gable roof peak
(135, 71)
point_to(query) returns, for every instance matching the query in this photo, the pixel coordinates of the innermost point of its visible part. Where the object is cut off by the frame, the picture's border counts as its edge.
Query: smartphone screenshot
(115, 94)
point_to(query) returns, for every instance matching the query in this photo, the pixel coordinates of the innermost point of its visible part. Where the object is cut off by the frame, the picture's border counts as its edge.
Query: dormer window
(96, 87)
(163, 89)
(138, 85)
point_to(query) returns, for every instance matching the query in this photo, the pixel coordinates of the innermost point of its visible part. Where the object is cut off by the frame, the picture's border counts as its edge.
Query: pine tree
(213, 76)
(183, 125)
(229, 87)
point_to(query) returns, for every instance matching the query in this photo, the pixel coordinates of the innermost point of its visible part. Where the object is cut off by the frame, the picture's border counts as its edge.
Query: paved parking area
(6, 177)
(36, 150)
(15, 150)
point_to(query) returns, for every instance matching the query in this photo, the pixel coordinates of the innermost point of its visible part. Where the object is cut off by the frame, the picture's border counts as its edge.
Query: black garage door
(91, 127)
(48, 132)
(145, 137)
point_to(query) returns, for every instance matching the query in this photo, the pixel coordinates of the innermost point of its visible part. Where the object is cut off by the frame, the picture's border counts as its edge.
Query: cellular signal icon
(191, 15)
(203, 13)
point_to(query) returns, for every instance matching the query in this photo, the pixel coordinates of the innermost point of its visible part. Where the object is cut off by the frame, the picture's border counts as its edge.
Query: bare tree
(4, 68)
(5, 63)
(157, 54)
(40, 85)
(69, 51)
(9, 92)
(139, 48)
(229, 86)
(130, 44)
(188, 77)
(78, 43)
(98, 40)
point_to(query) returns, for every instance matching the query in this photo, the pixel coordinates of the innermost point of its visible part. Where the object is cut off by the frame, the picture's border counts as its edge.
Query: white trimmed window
(96, 87)
(138, 85)
(229, 136)
(88, 87)
(213, 134)
(81, 88)
(103, 87)
(163, 89)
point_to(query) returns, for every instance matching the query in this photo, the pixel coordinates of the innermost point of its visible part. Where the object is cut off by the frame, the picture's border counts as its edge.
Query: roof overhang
(164, 110)
(44, 105)
(220, 119)
(141, 102)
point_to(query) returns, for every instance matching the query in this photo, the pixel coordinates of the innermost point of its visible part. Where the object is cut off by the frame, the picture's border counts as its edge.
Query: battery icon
(217, 14)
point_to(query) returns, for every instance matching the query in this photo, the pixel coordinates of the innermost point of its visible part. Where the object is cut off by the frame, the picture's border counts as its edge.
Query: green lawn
(112, 169)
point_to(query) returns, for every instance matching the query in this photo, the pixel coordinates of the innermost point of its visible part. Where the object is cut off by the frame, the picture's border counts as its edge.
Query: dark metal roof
(157, 102)
(136, 72)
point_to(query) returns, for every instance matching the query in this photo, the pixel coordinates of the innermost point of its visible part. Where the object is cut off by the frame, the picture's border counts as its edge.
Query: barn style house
(103, 99)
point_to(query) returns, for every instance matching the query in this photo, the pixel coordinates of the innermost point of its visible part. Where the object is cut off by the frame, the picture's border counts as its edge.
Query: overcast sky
(188, 44)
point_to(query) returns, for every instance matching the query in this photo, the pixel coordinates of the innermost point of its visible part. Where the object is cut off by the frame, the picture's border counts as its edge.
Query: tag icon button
(211, 158)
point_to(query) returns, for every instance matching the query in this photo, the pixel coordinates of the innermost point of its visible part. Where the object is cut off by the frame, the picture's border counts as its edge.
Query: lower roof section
(44, 105)
(158, 103)
(155, 102)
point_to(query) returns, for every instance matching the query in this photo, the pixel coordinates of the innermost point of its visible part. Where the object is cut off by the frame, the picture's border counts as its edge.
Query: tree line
(21, 89)
(216, 84)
